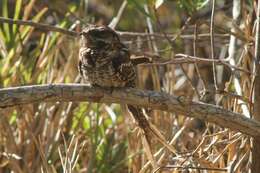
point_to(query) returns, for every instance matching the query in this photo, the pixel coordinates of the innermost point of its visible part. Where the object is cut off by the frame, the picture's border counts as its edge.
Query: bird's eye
(83, 34)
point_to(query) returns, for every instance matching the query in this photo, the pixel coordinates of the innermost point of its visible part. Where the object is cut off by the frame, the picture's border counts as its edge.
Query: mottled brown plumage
(104, 61)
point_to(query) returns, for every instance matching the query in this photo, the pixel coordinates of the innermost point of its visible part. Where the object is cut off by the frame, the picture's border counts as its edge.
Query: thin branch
(116, 19)
(171, 35)
(183, 58)
(212, 43)
(256, 69)
(155, 100)
(47, 27)
(190, 167)
(195, 54)
(153, 45)
(40, 26)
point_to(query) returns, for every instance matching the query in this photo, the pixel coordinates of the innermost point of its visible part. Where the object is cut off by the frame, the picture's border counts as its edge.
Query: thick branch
(156, 100)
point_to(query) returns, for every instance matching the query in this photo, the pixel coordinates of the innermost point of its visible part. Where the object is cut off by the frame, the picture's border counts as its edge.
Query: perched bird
(105, 62)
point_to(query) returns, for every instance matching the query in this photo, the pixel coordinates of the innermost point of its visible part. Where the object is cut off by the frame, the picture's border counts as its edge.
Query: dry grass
(90, 137)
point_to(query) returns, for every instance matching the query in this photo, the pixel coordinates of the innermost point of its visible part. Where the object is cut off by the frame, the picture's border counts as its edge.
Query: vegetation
(203, 50)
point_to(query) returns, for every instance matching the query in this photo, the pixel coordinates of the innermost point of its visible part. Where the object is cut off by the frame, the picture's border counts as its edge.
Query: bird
(104, 61)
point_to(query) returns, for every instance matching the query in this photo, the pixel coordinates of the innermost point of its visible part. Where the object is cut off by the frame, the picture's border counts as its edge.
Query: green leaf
(13, 117)
(17, 13)
(6, 26)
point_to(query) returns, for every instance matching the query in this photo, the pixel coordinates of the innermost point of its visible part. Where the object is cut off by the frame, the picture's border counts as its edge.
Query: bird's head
(99, 36)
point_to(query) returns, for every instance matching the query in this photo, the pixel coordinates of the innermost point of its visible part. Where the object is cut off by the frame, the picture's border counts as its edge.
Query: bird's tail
(141, 120)
(149, 129)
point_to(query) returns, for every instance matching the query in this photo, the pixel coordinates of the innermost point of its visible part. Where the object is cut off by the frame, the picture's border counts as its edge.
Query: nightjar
(105, 62)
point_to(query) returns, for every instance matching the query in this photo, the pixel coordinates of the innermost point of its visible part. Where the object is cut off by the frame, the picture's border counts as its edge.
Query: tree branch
(42, 26)
(157, 100)
(47, 27)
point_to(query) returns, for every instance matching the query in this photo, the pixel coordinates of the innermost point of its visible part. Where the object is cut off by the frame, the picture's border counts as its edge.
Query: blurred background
(101, 138)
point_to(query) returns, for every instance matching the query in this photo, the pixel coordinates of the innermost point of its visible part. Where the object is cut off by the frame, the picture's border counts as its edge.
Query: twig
(190, 167)
(257, 58)
(116, 19)
(171, 35)
(154, 70)
(156, 100)
(212, 43)
(40, 26)
(47, 27)
(183, 58)
(195, 54)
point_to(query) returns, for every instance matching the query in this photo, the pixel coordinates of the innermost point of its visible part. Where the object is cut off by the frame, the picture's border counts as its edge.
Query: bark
(155, 100)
